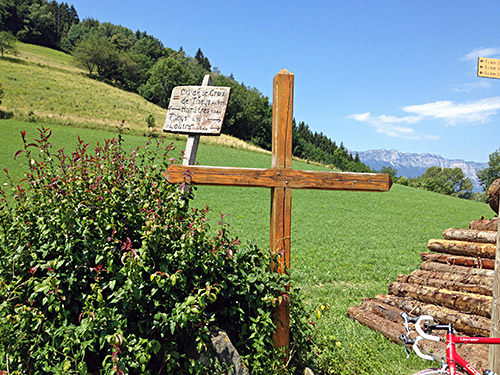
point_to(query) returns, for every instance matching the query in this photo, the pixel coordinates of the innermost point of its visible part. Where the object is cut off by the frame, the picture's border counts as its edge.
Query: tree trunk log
(484, 224)
(462, 248)
(493, 195)
(464, 278)
(460, 301)
(443, 283)
(468, 263)
(470, 235)
(388, 328)
(473, 325)
(379, 307)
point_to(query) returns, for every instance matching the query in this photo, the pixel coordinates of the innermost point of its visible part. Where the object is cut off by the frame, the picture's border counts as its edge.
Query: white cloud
(479, 111)
(452, 113)
(361, 117)
(468, 87)
(391, 125)
(482, 52)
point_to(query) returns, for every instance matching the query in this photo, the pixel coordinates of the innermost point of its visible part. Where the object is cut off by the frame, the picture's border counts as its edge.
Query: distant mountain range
(414, 165)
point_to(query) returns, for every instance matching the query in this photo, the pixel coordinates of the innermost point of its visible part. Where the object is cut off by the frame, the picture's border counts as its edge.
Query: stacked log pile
(454, 284)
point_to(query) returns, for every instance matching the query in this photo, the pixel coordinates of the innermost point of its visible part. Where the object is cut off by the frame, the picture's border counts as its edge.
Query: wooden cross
(281, 178)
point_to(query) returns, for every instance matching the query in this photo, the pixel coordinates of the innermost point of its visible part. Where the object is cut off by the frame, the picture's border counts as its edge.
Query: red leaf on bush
(18, 153)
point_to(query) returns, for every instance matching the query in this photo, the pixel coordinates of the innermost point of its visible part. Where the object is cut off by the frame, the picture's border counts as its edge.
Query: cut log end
(484, 224)
(493, 195)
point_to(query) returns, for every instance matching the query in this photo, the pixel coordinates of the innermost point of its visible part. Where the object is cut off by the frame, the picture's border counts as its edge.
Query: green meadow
(345, 245)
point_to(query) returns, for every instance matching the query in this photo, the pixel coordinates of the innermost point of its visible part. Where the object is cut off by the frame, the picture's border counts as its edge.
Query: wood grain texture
(473, 249)
(494, 350)
(278, 178)
(282, 120)
(281, 194)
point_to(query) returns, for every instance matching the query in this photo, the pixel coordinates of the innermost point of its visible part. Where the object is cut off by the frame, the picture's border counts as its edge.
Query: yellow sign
(489, 68)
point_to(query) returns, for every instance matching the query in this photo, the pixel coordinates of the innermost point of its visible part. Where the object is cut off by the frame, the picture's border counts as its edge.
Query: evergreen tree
(202, 60)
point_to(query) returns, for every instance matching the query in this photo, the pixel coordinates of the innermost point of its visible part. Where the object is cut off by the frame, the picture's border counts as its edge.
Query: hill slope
(45, 82)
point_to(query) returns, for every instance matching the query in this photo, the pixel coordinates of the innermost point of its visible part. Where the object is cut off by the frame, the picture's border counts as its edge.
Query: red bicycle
(452, 364)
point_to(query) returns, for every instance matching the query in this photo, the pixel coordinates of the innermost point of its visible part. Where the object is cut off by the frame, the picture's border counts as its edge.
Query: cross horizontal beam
(278, 177)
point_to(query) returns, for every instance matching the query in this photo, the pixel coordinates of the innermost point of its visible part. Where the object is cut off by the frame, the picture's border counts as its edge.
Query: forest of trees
(37, 22)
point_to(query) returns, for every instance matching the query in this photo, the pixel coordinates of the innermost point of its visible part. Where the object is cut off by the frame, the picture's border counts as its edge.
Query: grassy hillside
(46, 82)
(345, 245)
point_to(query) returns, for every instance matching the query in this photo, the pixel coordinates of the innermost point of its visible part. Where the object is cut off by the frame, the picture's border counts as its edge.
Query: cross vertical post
(281, 197)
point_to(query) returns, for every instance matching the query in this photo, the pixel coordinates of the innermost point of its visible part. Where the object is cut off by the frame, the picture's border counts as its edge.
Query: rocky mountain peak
(413, 165)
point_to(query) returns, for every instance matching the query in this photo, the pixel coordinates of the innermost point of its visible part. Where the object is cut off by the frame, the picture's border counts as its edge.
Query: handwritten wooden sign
(489, 68)
(197, 110)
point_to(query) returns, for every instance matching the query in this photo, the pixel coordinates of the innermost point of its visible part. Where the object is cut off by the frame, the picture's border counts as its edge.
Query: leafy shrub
(31, 116)
(104, 268)
(5, 115)
(150, 121)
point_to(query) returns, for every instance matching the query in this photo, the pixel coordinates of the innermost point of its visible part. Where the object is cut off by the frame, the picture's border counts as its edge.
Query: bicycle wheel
(435, 371)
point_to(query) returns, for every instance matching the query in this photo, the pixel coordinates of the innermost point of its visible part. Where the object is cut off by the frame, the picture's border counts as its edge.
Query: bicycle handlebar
(421, 332)
(417, 321)
(418, 352)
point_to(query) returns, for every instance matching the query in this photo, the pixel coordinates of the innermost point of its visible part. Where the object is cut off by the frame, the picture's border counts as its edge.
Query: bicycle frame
(453, 358)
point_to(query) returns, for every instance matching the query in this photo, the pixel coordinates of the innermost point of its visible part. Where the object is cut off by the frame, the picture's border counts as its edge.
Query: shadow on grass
(13, 60)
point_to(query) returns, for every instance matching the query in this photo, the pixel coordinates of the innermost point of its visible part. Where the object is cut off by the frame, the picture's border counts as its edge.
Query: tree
(64, 16)
(449, 181)
(97, 53)
(339, 159)
(164, 76)
(490, 173)
(131, 71)
(3, 14)
(77, 32)
(1, 93)
(7, 43)
(248, 114)
(202, 60)
(389, 170)
(38, 26)
(150, 48)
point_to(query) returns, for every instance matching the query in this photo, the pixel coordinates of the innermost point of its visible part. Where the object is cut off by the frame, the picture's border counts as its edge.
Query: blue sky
(371, 74)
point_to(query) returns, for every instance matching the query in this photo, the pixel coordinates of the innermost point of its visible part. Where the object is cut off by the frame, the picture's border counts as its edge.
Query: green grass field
(345, 245)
